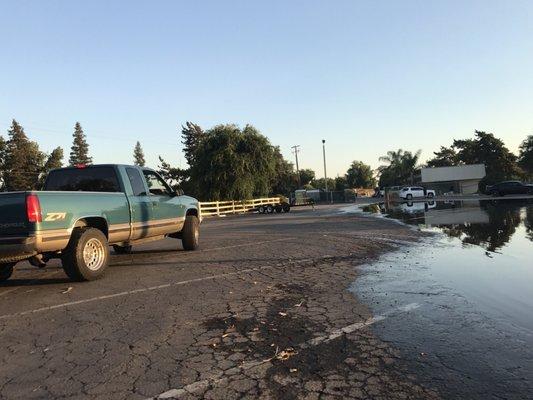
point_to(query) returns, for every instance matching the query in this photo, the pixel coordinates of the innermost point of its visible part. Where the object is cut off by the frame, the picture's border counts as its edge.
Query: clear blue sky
(366, 76)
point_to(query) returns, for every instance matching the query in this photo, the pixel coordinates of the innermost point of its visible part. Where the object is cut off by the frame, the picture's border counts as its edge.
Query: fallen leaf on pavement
(286, 354)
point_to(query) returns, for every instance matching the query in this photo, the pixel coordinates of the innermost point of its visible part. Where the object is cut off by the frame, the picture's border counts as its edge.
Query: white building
(459, 179)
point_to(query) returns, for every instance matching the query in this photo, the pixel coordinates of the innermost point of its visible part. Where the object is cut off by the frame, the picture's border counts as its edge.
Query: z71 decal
(55, 217)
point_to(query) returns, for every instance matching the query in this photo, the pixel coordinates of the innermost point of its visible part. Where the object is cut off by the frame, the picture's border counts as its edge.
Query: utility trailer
(279, 206)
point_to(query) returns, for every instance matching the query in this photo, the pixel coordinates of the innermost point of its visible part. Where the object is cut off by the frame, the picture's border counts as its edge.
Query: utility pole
(296, 150)
(325, 174)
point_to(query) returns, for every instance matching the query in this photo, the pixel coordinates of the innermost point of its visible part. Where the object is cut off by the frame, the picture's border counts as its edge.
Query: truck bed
(60, 211)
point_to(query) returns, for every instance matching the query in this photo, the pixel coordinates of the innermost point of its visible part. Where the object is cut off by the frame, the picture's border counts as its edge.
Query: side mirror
(178, 192)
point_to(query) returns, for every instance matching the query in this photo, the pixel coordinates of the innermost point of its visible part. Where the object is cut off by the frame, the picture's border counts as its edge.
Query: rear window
(92, 179)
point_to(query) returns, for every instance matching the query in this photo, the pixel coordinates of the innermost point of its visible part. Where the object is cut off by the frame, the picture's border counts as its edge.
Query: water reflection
(474, 282)
(528, 222)
(489, 224)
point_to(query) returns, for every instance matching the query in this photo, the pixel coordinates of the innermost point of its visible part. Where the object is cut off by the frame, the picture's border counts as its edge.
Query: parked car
(82, 210)
(509, 187)
(411, 192)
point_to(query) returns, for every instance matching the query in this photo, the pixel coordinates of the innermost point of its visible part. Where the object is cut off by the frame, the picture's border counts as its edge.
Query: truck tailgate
(13, 219)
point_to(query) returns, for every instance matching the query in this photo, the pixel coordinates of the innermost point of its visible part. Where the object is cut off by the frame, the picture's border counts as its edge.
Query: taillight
(33, 208)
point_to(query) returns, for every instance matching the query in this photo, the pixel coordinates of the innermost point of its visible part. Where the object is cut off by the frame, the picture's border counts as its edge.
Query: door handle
(155, 203)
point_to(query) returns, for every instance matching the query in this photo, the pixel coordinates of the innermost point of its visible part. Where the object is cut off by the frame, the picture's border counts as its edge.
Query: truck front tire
(190, 235)
(87, 255)
(6, 270)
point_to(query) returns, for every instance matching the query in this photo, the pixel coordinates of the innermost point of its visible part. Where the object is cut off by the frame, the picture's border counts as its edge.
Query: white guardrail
(208, 208)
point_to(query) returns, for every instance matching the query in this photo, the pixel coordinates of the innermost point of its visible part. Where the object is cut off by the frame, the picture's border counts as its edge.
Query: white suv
(411, 192)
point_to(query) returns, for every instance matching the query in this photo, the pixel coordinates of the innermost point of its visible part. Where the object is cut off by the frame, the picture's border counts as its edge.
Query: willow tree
(232, 164)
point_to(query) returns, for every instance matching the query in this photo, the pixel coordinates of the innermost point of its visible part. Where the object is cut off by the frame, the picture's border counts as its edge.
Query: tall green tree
(79, 152)
(192, 135)
(360, 175)
(525, 157)
(138, 155)
(23, 161)
(54, 160)
(485, 148)
(445, 157)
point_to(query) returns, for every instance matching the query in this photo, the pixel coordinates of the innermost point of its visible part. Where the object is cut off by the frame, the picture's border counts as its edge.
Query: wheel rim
(94, 254)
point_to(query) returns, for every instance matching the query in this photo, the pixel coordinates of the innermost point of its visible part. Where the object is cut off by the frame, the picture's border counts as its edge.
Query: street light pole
(325, 174)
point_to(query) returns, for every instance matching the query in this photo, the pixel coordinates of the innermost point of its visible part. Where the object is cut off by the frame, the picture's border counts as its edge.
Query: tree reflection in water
(528, 222)
(504, 218)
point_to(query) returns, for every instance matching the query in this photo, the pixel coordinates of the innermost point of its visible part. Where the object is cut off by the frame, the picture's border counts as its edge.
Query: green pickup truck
(82, 210)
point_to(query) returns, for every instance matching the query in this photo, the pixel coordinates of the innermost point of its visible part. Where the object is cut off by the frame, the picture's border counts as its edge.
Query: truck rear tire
(6, 270)
(269, 208)
(87, 255)
(278, 208)
(190, 236)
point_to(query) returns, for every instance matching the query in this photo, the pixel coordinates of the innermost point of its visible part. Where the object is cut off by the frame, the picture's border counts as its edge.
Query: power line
(106, 136)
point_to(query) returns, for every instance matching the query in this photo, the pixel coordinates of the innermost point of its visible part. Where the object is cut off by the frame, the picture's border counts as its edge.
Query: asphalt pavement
(262, 310)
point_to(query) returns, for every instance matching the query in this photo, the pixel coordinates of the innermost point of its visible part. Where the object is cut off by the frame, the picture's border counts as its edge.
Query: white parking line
(129, 292)
(219, 378)
(125, 263)
(148, 289)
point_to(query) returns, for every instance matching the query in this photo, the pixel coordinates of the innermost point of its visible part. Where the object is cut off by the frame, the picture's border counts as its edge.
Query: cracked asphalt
(261, 311)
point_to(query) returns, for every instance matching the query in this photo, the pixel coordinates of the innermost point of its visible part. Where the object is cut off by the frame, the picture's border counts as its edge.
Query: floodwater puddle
(473, 334)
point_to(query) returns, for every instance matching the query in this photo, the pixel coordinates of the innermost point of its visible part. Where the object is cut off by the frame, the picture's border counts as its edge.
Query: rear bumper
(17, 248)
